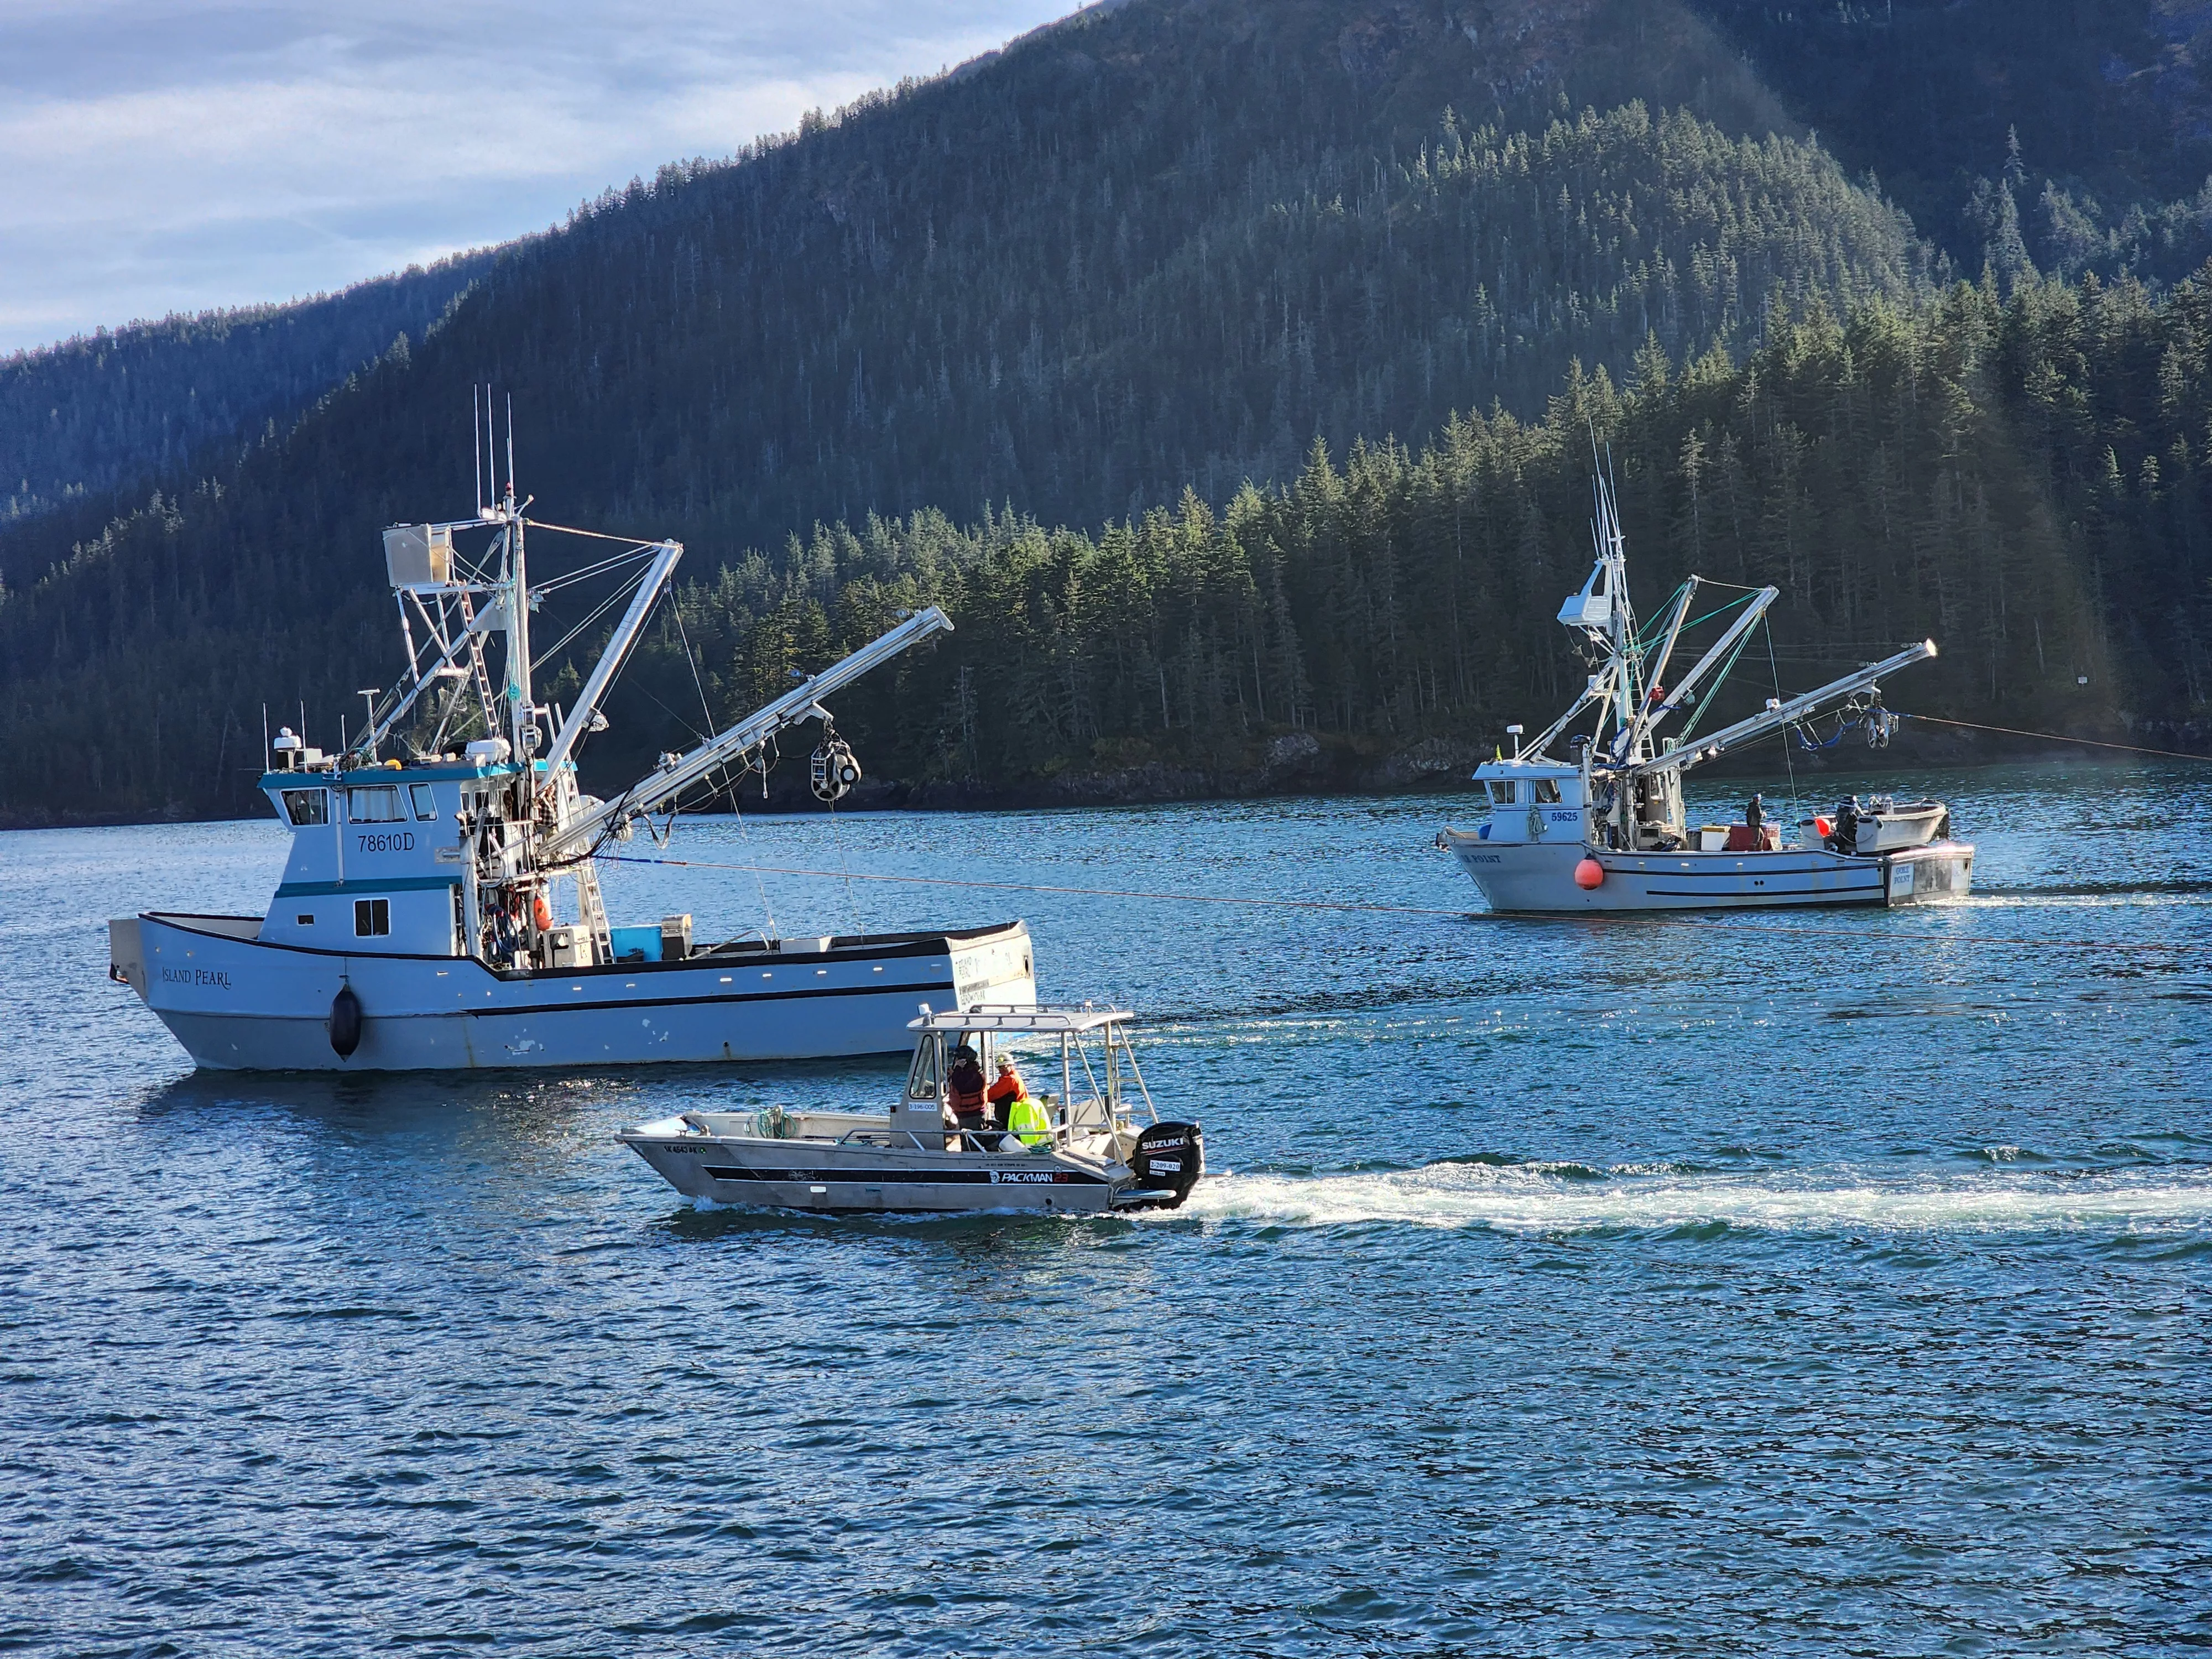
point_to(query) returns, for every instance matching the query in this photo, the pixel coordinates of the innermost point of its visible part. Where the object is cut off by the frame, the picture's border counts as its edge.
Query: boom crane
(579, 834)
(1780, 714)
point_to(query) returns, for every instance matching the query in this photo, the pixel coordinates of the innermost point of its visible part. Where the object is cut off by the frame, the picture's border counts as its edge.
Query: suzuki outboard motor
(1168, 1160)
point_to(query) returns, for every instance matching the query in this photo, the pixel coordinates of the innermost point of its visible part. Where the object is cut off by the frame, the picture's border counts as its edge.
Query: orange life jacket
(1008, 1086)
(966, 1097)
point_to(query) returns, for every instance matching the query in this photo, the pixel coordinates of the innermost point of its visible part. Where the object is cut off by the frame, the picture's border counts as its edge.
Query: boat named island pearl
(440, 908)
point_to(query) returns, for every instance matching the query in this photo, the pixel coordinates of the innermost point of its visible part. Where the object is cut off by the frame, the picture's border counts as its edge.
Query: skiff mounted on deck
(1603, 829)
(440, 908)
(1084, 1153)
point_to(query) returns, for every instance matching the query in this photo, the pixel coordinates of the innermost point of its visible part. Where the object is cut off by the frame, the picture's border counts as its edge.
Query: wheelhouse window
(375, 803)
(1548, 791)
(921, 1081)
(307, 805)
(372, 918)
(1501, 794)
(426, 803)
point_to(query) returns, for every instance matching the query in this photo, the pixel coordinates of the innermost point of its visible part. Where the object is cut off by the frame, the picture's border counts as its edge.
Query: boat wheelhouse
(441, 907)
(1603, 827)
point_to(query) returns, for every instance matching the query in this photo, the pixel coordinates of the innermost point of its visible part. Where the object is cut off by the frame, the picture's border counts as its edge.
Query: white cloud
(158, 156)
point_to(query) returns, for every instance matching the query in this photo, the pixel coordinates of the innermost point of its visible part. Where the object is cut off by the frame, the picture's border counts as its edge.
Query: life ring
(542, 913)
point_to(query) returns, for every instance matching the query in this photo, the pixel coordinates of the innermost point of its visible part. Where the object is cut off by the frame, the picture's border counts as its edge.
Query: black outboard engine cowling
(1168, 1159)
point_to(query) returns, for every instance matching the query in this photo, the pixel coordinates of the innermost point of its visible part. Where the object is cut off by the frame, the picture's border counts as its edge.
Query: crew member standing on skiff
(1005, 1089)
(966, 1084)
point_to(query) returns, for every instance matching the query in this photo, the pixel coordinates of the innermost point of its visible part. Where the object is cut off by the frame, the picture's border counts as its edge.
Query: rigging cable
(845, 859)
(596, 535)
(691, 660)
(2054, 737)
(760, 887)
(599, 610)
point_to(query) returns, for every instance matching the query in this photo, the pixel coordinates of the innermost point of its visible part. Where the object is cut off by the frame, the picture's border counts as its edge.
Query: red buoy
(1823, 828)
(1588, 873)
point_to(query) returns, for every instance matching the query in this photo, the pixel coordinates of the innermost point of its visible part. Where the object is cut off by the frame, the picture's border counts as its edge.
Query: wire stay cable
(2055, 736)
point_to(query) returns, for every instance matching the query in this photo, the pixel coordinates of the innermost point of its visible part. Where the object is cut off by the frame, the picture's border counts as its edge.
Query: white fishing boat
(1082, 1152)
(1602, 827)
(441, 909)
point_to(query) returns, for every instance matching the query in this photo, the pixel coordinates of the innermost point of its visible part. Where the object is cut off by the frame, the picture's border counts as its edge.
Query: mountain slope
(2076, 137)
(1148, 248)
(81, 418)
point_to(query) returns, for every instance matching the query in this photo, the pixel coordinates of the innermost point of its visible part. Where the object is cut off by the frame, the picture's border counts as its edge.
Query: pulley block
(833, 769)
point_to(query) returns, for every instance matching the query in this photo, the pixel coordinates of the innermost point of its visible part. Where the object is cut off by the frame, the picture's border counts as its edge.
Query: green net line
(1646, 640)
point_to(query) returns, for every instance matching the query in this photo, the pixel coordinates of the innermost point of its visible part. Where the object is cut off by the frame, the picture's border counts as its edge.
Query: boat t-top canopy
(1062, 1020)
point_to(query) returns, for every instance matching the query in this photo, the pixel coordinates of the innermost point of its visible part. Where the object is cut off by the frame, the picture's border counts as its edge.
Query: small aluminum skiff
(1084, 1154)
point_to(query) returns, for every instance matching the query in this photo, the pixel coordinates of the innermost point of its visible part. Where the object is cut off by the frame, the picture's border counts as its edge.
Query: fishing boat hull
(1520, 877)
(898, 1176)
(240, 1003)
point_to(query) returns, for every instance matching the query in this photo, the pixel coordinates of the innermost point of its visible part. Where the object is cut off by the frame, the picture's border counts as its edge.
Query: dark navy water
(1773, 1284)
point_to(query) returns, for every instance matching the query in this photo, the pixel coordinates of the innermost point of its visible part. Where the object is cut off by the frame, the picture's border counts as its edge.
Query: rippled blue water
(1778, 1285)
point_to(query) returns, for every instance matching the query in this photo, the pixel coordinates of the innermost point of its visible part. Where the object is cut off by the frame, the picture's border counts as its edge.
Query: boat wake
(1573, 1198)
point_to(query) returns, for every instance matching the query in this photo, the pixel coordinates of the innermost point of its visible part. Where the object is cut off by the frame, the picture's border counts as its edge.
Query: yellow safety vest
(1028, 1122)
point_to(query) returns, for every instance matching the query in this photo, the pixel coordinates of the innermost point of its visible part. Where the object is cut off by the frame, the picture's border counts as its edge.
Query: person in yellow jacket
(1029, 1122)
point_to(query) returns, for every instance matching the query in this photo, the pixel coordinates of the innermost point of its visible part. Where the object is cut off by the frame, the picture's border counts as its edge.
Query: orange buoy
(541, 912)
(1823, 828)
(1588, 873)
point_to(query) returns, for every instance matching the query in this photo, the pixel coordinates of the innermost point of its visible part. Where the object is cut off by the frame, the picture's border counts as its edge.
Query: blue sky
(161, 155)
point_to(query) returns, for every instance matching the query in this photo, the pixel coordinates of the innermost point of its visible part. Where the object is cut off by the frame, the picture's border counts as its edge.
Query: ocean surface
(1783, 1284)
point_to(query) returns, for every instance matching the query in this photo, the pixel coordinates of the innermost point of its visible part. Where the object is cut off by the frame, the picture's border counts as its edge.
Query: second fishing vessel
(1602, 827)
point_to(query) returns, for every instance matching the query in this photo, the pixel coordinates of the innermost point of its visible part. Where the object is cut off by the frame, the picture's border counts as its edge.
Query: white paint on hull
(848, 1179)
(238, 1003)
(1538, 877)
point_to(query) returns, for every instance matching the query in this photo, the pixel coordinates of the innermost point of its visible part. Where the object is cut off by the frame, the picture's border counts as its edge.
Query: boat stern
(1937, 870)
(993, 966)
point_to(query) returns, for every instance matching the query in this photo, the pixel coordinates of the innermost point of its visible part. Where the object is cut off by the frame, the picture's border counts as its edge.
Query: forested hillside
(2025, 479)
(81, 418)
(2073, 137)
(1104, 279)
(1153, 248)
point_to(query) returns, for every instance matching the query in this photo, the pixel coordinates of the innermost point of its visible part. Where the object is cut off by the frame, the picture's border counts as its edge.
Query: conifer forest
(1235, 377)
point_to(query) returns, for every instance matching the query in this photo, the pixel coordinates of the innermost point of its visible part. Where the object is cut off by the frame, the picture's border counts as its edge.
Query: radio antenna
(510, 445)
(476, 430)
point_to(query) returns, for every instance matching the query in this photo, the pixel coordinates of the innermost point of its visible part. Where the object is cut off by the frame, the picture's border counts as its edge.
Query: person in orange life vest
(1005, 1090)
(964, 1083)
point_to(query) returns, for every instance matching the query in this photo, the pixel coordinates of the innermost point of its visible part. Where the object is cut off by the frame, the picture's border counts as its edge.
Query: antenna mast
(521, 715)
